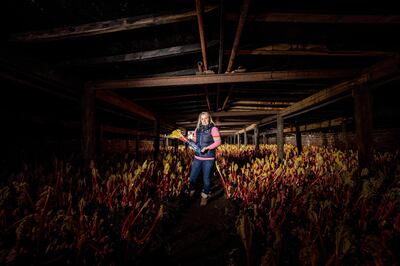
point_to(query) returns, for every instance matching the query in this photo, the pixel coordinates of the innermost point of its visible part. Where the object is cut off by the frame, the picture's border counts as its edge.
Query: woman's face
(205, 120)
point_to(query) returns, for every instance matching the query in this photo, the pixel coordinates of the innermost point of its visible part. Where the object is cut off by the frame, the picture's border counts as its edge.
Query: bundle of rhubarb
(177, 134)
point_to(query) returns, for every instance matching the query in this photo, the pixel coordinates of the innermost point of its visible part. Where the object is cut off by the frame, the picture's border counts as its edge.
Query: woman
(207, 138)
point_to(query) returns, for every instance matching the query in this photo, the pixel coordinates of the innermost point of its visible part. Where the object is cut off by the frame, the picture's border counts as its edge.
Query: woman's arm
(216, 137)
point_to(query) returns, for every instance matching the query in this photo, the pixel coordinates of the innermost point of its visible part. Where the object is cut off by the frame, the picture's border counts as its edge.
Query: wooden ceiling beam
(218, 124)
(223, 78)
(224, 114)
(240, 26)
(168, 97)
(141, 56)
(380, 70)
(104, 27)
(261, 103)
(315, 53)
(241, 113)
(276, 17)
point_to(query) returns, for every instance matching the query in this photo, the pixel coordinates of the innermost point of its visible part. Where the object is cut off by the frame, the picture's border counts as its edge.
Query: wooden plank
(363, 124)
(235, 47)
(245, 108)
(298, 140)
(124, 104)
(380, 70)
(248, 128)
(241, 114)
(279, 136)
(277, 17)
(142, 56)
(104, 27)
(262, 102)
(223, 78)
(200, 23)
(156, 139)
(256, 136)
(88, 126)
(168, 97)
(316, 53)
(218, 124)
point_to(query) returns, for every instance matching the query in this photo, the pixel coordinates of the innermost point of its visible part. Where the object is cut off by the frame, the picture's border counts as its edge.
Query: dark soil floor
(199, 235)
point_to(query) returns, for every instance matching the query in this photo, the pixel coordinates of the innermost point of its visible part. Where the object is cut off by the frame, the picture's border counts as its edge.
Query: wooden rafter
(319, 18)
(223, 78)
(262, 103)
(315, 53)
(109, 26)
(239, 30)
(225, 114)
(142, 56)
(177, 96)
(246, 108)
(380, 70)
(384, 69)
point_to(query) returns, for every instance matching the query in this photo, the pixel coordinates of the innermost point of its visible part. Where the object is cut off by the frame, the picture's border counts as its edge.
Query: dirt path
(201, 236)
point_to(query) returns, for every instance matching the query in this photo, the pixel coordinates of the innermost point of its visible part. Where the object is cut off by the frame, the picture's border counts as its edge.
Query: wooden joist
(241, 114)
(177, 96)
(218, 124)
(273, 103)
(318, 18)
(315, 53)
(109, 26)
(248, 128)
(245, 108)
(223, 78)
(142, 56)
(380, 70)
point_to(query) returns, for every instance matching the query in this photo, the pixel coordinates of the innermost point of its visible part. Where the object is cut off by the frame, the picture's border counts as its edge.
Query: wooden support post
(344, 135)
(88, 125)
(263, 138)
(256, 144)
(245, 137)
(324, 139)
(279, 136)
(199, 12)
(238, 139)
(137, 144)
(298, 140)
(156, 138)
(235, 48)
(363, 123)
(221, 36)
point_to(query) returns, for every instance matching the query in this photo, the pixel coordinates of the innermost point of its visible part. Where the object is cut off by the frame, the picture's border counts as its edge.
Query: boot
(204, 199)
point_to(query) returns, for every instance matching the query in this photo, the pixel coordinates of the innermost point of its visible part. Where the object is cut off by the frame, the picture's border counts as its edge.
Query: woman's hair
(199, 119)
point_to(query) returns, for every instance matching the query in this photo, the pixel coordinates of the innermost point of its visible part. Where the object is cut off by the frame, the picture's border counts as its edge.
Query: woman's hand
(204, 150)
